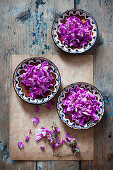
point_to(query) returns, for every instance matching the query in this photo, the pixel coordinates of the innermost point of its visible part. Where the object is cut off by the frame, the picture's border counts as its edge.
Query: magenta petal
(53, 147)
(37, 109)
(42, 148)
(52, 102)
(47, 105)
(26, 138)
(40, 133)
(35, 121)
(67, 136)
(20, 145)
(37, 138)
(29, 130)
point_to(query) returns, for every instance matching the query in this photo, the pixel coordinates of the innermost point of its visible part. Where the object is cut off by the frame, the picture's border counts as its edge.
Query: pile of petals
(53, 138)
(75, 32)
(38, 78)
(81, 106)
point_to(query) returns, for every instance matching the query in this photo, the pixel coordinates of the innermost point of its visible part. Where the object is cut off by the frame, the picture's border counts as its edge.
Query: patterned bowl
(23, 92)
(62, 96)
(82, 14)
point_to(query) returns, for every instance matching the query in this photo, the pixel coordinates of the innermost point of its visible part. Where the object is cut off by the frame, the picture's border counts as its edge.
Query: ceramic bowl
(62, 96)
(23, 92)
(82, 14)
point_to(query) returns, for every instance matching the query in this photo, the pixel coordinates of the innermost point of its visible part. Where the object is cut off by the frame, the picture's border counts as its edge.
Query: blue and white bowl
(62, 96)
(18, 88)
(75, 12)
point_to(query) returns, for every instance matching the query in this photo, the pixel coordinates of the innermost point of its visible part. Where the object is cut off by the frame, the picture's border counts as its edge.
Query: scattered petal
(71, 142)
(42, 148)
(20, 145)
(35, 121)
(54, 140)
(69, 139)
(26, 138)
(47, 105)
(40, 133)
(29, 130)
(37, 109)
(52, 102)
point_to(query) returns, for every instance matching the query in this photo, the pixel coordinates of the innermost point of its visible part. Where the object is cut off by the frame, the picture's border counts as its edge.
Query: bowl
(23, 91)
(90, 88)
(81, 14)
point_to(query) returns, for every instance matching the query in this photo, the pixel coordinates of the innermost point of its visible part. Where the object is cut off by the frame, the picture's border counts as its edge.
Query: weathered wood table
(25, 28)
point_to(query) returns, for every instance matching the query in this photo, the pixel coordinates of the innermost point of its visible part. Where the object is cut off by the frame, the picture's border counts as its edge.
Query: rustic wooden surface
(25, 28)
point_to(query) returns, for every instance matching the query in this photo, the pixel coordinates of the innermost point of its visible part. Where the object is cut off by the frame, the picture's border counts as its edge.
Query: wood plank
(103, 79)
(57, 165)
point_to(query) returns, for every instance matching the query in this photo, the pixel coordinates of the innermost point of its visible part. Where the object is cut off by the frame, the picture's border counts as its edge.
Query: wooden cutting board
(73, 69)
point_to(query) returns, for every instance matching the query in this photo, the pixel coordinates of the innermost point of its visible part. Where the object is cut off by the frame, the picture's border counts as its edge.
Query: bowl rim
(34, 103)
(90, 126)
(77, 53)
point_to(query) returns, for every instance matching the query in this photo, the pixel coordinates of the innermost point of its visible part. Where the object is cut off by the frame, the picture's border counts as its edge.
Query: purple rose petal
(69, 139)
(35, 121)
(42, 148)
(37, 109)
(29, 130)
(26, 138)
(48, 105)
(52, 102)
(40, 133)
(20, 145)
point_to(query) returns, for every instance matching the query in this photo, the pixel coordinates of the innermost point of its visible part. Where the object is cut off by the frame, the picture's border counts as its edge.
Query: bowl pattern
(80, 13)
(18, 89)
(91, 88)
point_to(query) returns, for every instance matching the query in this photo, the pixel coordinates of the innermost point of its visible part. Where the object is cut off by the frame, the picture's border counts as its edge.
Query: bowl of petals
(80, 105)
(36, 80)
(75, 31)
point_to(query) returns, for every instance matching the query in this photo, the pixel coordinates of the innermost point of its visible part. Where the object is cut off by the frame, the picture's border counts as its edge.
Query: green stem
(61, 154)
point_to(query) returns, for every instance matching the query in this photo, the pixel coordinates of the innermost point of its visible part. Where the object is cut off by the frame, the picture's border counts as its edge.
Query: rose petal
(29, 130)
(37, 109)
(26, 138)
(20, 145)
(52, 102)
(40, 133)
(35, 121)
(42, 148)
(47, 105)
